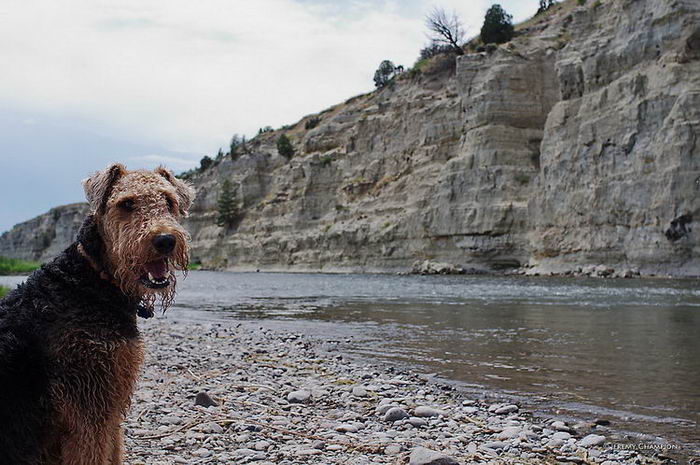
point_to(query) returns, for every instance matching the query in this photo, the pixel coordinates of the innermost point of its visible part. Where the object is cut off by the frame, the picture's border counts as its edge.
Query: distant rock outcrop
(44, 237)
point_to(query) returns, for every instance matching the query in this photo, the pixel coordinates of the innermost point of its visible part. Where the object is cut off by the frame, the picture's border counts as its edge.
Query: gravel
(215, 393)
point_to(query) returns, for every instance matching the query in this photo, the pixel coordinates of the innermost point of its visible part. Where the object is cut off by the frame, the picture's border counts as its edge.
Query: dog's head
(136, 215)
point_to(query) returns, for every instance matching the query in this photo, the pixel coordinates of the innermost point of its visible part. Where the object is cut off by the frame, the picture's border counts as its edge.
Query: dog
(70, 349)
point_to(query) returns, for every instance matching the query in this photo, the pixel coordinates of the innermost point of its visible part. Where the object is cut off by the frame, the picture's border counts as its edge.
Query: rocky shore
(230, 393)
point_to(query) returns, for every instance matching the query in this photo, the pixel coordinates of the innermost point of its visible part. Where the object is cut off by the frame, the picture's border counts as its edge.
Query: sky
(145, 82)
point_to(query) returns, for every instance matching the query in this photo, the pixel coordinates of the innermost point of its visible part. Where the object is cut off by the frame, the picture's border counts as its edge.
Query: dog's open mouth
(157, 274)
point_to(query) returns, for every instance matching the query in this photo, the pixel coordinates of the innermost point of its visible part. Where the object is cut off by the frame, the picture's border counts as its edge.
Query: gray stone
(417, 422)
(346, 428)
(298, 397)
(424, 412)
(359, 391)
(423, 456)
(202, 452)
(495, 445)
(592, 440)
(563, 435)
(170, 420)
(204, 400)
(395, 414)
(392, 449)
(560, 426)
(506, 409)
(212, 427)
(509, 432)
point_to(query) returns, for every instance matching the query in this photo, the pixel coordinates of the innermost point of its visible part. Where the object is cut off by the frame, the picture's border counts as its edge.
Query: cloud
(187, 75)
(174, 163)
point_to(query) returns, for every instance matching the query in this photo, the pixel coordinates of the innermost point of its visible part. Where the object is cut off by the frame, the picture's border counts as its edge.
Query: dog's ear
(185, 191)
(99, 185)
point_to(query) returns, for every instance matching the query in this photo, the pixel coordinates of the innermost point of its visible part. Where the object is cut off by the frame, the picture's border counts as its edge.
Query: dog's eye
(127, 205)
(170, 203)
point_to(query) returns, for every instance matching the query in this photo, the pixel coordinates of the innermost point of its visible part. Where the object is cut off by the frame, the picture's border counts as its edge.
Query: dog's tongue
(157, 268)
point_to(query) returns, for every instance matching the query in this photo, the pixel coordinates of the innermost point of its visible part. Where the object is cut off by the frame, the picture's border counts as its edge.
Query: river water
(579, 349)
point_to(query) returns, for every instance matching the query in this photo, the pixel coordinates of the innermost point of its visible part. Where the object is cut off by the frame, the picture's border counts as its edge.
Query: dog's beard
(129, 261)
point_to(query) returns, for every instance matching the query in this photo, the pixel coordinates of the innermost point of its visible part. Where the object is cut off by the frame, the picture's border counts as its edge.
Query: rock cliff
(575, 144)
(44, 237)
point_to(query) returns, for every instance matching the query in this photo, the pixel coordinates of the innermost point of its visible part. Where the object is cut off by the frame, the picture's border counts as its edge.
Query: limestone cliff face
(44, 237)
(574, 144)
(620, 159)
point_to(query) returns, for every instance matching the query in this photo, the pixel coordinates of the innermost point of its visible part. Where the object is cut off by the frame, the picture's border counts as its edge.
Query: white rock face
(44, 237)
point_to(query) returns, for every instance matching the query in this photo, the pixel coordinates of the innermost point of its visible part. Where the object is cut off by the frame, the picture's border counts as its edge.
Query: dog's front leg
(86, 446)
(116, 456)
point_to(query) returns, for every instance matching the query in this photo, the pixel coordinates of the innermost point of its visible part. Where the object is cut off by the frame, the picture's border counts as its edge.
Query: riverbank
(284, 398)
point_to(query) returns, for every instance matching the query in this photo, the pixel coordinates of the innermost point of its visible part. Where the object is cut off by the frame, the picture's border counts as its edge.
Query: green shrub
(581, 2)
(385, 73)
(312, 122)
(205, 163)
(3, 291)
(10, 266)
(498, 26)
(284, 146)
(227, 206)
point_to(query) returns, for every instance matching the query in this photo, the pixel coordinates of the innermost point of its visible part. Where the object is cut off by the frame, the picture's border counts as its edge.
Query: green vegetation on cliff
(3, 291)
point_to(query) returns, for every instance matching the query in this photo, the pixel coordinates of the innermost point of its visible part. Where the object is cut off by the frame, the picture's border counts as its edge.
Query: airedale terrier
(70, 350)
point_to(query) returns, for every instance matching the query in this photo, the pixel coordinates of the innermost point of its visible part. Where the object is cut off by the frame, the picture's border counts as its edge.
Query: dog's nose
(164, 243)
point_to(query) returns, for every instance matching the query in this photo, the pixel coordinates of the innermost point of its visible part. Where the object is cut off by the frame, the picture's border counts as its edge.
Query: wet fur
(70, 350)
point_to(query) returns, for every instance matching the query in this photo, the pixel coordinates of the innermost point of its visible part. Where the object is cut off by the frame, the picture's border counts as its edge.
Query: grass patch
(3, 291)
(10, 266)
(194, 266)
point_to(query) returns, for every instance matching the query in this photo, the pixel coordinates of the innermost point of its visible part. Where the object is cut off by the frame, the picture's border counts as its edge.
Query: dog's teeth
(151, 277)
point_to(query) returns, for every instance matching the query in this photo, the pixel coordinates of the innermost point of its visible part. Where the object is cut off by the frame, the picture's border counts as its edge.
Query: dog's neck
(90, 248)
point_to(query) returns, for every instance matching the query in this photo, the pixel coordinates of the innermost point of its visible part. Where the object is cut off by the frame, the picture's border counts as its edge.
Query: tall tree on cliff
(227, 205)
(498, 26)
(445, 29)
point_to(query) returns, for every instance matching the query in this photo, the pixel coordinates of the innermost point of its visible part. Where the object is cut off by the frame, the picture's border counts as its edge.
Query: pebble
(509, 432)
(170, 420)
(359, 391)
(560, 426)
(203, 399)
(261, 445)
(591, 440)
(423, 456)
(308, 452)
(506, 409)
(417, 422)
(392, 449)
(346, 428)
(202, 452)
(318, 445)
(298, 397)
(425, 412)
(395, 414)
(212, 427)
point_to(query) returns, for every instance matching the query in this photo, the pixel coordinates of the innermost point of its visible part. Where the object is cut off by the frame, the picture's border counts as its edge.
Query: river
(627, 351)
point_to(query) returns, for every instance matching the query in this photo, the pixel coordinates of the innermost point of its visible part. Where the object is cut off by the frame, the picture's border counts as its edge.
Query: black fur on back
(66, 293)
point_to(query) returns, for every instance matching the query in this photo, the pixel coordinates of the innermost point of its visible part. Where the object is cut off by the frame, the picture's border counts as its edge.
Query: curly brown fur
(70, 350)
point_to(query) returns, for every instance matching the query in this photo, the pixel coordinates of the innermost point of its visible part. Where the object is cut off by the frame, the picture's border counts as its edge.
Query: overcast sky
(87, 82)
